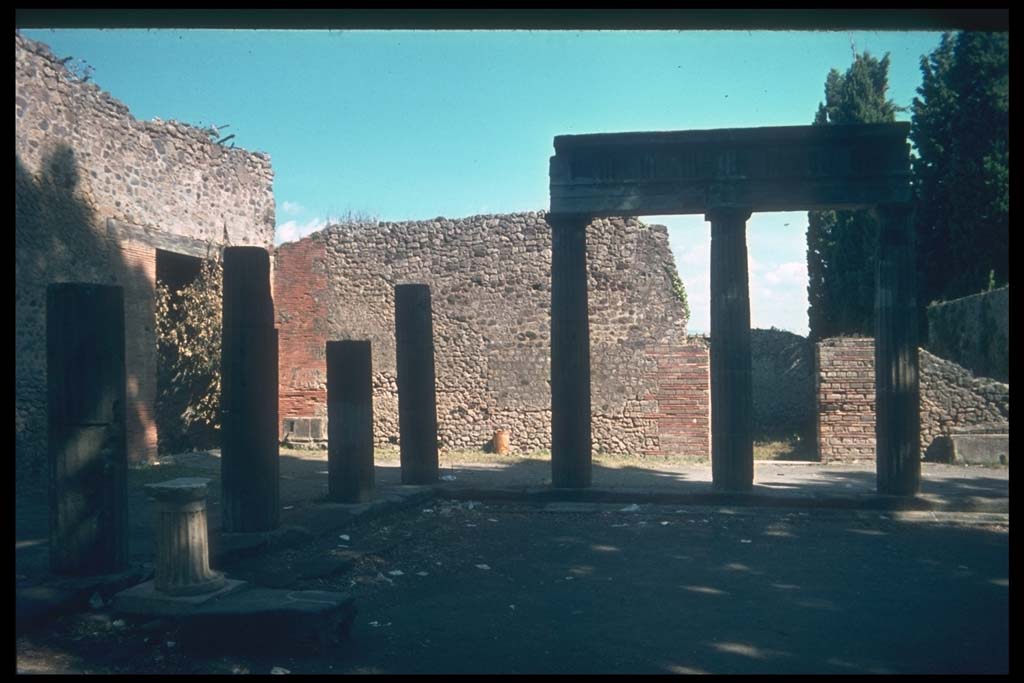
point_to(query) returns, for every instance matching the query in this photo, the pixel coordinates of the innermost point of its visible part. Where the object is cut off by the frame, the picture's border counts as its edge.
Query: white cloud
(292, 208)
(293, 230)
(777, 269)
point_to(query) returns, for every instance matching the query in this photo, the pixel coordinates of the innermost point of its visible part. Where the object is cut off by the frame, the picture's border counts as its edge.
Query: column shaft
(570, 353)
(897, 397)
(349, 421)
(249, 384)
(732, 451)
(417, 407)
(88, 460)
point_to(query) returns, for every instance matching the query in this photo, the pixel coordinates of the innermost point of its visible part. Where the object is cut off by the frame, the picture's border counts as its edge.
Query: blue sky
(407, 125)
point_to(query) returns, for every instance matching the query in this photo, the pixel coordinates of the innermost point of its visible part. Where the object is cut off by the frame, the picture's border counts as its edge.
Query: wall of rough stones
(97, 193)
(951, 398)
(782, 378)
(974, 332)
(490, 280)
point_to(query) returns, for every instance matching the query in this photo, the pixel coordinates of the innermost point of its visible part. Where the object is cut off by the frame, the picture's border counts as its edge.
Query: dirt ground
(468, 587)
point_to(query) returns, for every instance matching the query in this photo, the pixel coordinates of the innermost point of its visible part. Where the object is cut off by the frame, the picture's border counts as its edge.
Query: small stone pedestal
(182, 550)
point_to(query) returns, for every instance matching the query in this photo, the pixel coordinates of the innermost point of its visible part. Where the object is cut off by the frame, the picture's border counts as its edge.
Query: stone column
(732, 448)
(182, 549)
(570, 352)
(249, 381)
(349, 421)
(897, 397)
(88, 459)
(417, 408)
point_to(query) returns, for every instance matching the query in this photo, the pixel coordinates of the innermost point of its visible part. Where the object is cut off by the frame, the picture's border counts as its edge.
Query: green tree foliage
(841, 244)
(188, 324)
(960, 128)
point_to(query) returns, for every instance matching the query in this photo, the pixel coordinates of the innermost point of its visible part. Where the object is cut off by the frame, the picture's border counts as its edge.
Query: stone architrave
(417, 407)
(570, 353)
(85, 377)
(897, 389)
(732, 403)
(182, 547)
(349, 421)
(249, 386)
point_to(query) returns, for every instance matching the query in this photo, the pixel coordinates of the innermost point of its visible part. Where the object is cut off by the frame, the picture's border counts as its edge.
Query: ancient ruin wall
(490, 279)
(782, 379)
(974, 332)
(97, 192)
(951, 397)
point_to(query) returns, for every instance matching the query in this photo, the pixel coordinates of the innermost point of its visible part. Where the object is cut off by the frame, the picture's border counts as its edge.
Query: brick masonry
(490, 286)
(97, 192)
(951, 399)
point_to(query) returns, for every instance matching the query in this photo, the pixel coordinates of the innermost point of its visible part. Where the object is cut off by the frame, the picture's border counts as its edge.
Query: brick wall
(845, 389)
(951, 398)
(681, 408)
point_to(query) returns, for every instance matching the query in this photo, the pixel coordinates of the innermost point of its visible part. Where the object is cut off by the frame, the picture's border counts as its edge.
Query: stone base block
(980, 449)
(145, 599)
(265, 619)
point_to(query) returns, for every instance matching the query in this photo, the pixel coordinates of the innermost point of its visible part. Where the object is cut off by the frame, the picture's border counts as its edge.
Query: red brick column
(139, 281)
(299, 302)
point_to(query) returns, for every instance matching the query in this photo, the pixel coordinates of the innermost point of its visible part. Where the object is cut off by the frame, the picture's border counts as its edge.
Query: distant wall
(782, 367)
(490, 279)
(97, 192)
(951, 398)
(974, 332)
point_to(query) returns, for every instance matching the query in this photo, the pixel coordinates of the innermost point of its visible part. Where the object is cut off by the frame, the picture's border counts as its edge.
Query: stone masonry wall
(951, 398)
(490, 279)
(97, 192)
(974, 332)
(782, 378)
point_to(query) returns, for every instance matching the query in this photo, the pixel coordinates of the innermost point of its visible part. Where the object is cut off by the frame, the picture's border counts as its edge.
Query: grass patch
(789, 448)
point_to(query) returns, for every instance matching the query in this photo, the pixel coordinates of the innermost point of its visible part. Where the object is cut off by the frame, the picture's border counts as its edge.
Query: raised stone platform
(245, 617)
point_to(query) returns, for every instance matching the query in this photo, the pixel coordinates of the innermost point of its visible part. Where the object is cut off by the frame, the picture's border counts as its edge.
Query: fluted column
(897, 392)
(732, 446)
(182, 547)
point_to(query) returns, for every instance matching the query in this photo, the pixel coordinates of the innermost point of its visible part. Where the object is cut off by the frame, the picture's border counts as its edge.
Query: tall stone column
(570, 352)
(417, 407)
(249, 380)
(88, 460)
(732, 448)
(349, 421)
(182, 546)
(897, 397)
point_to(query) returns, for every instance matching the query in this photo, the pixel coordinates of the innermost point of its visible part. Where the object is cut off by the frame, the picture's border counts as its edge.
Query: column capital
(569, 221)
(727, 213)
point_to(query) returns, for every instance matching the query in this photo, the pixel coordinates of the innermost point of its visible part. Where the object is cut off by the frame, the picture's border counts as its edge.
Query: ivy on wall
(188, 327)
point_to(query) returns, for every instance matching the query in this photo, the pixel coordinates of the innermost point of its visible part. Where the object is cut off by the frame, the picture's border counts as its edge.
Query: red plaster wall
(299, 302)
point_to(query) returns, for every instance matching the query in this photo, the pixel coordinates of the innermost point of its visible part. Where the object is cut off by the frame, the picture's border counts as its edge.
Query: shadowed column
(897, 398)
(417, 409)
(249, 429)
(732, 449)
(349, 421)
(570, 352)
(88, 460)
